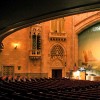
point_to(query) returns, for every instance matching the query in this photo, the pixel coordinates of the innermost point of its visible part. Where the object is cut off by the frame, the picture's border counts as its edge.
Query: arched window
(57, 51)
(34, 42)
(36, 39)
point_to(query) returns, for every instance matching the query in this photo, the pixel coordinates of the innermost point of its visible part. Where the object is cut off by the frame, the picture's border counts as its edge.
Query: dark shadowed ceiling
(17, 14)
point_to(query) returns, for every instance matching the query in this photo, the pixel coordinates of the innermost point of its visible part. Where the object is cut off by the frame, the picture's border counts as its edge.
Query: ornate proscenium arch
(87, 22)
(17, 14)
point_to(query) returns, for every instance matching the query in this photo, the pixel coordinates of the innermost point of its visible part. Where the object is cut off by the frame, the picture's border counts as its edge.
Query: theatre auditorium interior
(50, 50)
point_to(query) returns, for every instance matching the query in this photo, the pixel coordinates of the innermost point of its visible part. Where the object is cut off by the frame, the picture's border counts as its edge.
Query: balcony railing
(35, 54)
(57, 36)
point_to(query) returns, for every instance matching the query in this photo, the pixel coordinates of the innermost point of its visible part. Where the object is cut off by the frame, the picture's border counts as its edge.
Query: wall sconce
(15, 45)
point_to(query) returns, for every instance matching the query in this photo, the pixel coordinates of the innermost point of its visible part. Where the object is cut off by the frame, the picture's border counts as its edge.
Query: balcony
(55, 36)
(35, 54)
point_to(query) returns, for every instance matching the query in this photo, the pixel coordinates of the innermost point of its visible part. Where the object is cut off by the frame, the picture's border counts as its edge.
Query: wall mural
(89, 48)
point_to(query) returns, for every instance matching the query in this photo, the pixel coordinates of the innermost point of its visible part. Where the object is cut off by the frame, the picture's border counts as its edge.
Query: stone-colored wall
(20, 56)
(84, 20)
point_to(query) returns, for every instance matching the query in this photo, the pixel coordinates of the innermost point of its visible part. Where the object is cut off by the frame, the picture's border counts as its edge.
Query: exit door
(56, 73)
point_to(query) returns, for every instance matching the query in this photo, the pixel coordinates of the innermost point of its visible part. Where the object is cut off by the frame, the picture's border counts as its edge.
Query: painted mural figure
(75, 67)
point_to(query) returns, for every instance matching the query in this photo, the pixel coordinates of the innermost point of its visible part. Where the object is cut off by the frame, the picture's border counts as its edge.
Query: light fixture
(15, 45)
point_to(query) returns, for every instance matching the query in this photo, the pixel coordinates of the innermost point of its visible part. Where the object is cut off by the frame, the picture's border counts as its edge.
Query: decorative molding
(55, 36)
(87, 22)
(57, 63)
(97, 14)
(35, 54)
(54, 45)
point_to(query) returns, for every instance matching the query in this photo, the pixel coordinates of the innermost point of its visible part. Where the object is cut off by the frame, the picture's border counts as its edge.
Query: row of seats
(48, 89)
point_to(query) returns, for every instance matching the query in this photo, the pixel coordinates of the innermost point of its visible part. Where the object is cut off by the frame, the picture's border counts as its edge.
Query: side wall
(20, 56)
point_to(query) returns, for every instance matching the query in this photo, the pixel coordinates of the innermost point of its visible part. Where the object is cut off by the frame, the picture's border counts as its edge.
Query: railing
(35, 54)
(55, 34)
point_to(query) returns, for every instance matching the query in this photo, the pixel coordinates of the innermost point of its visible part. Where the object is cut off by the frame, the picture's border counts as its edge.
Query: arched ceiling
(17, 14)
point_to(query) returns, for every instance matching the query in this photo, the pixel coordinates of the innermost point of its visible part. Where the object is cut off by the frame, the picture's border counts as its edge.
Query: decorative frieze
(54, 36)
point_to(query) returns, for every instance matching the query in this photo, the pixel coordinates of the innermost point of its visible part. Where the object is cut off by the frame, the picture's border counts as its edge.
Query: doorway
(56, 73)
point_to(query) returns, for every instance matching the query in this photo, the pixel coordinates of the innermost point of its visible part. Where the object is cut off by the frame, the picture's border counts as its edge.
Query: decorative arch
(59, 45)
(84, 24)
(88, 48)
(57, 63)
(57, 55)
(57, 51)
